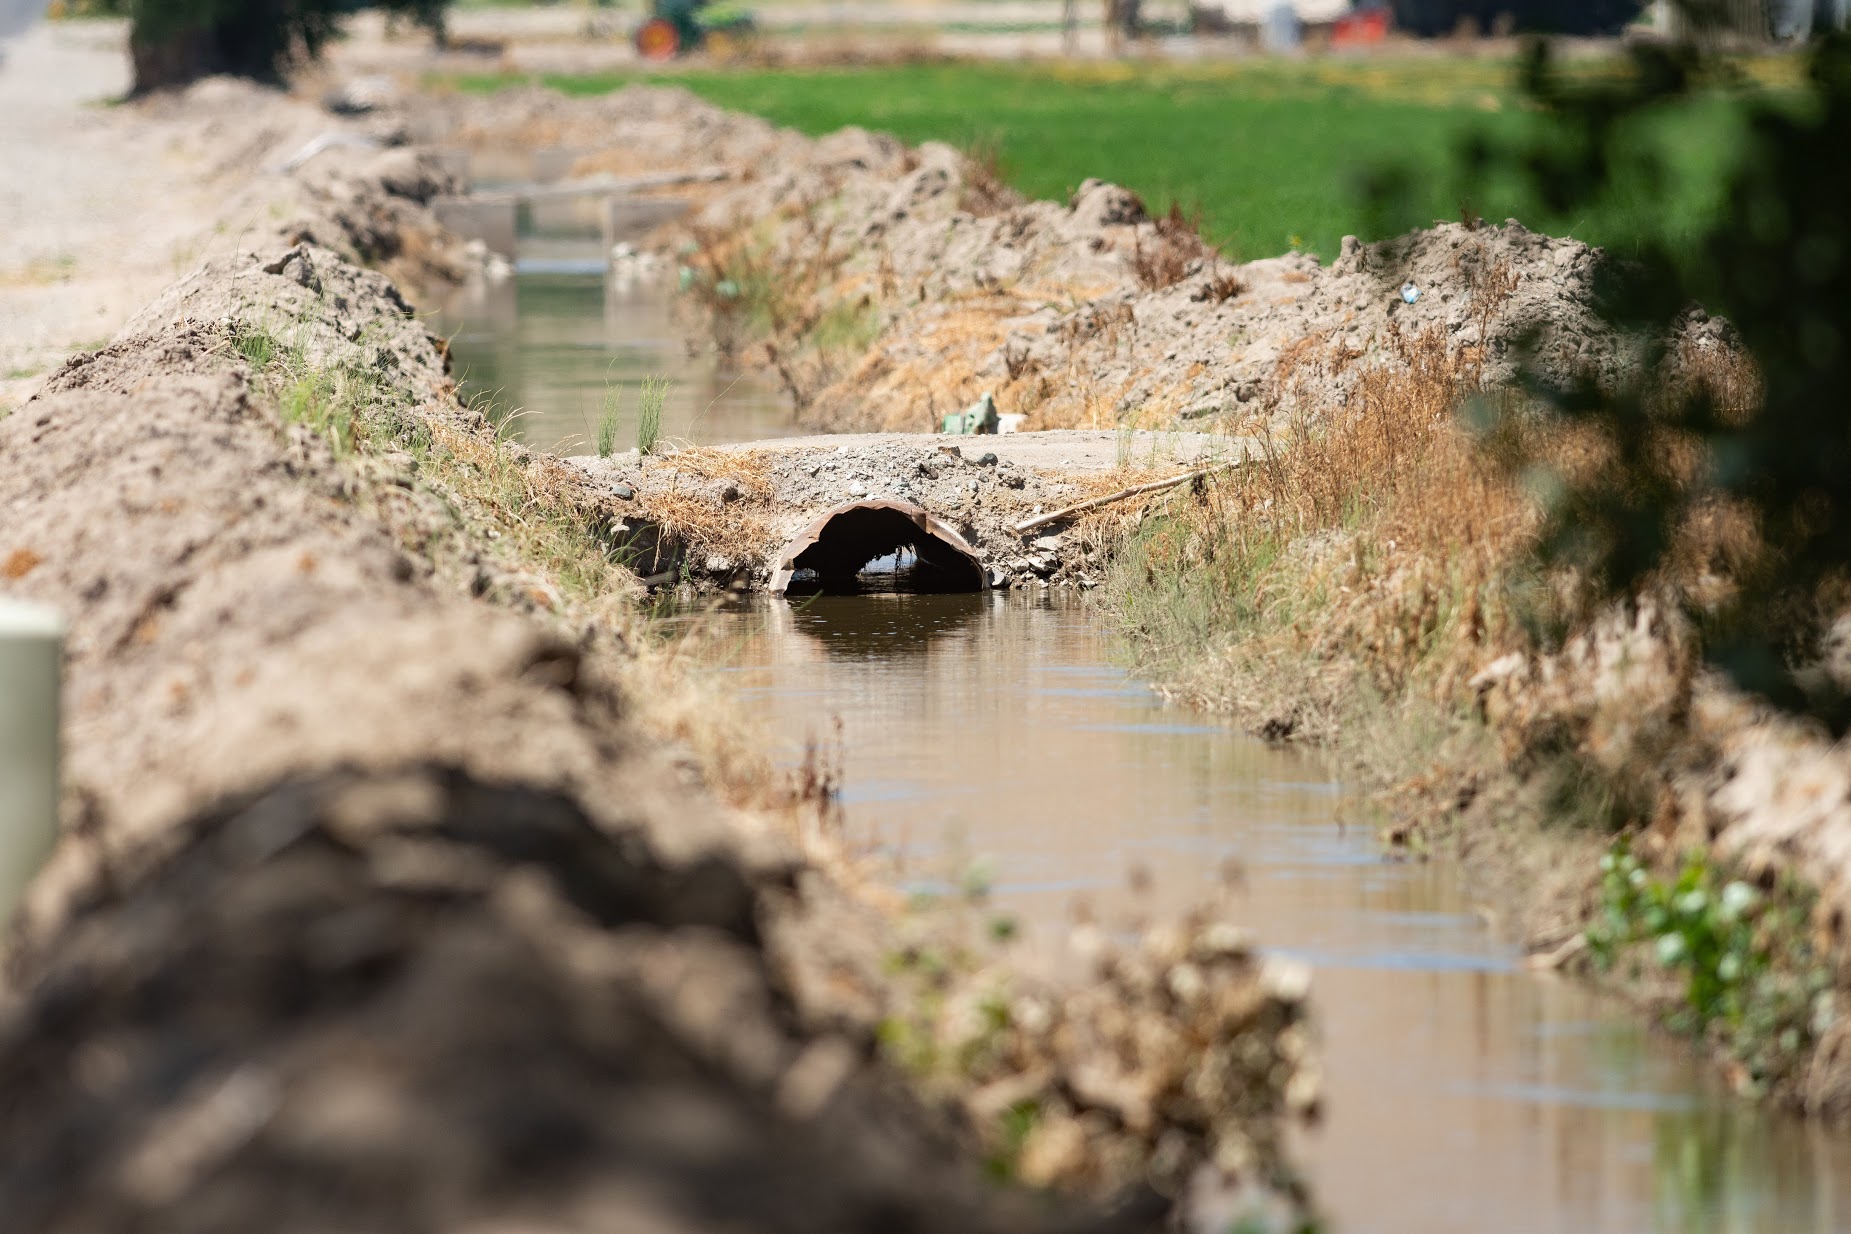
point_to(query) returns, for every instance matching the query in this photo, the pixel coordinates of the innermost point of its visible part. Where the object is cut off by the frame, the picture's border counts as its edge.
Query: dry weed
(1371, 551)
(986, 190)
(1222, 286)
(1176, 250)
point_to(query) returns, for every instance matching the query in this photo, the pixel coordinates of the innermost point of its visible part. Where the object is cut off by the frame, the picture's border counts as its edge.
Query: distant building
(1755, 20)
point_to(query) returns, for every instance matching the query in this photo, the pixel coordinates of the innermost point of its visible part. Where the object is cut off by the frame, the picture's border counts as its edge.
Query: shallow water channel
(1464, 1094)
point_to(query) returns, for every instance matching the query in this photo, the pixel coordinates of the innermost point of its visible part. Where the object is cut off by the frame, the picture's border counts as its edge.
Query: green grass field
(1272, 155)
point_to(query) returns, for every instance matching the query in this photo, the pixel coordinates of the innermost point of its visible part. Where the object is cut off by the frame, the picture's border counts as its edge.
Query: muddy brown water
(550, 346)
(996, 732)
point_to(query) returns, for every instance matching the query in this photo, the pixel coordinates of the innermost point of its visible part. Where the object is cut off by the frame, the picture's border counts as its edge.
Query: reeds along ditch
(1389, 548)
(1375, 550)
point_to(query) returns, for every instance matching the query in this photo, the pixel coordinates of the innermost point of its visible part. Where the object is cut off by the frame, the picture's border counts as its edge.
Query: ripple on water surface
(1465, 1094)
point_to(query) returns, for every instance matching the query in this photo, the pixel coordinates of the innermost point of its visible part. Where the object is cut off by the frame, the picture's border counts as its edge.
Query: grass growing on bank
(1372, 552)
(607, 422)
(1274, 155)
(1358, 582)
(534, 505)
(650, 402)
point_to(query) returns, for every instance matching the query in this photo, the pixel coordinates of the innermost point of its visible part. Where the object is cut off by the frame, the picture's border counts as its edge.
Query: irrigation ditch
(405, 881)
(360, 691)
(1358, 586)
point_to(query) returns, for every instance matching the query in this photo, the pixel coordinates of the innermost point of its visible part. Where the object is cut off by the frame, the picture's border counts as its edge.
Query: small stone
(986, 459)
(857, 489)
(1051, 544)
(999, 577)
(718, 563)
(622, 491)
(1288, 981)
(1012, 480)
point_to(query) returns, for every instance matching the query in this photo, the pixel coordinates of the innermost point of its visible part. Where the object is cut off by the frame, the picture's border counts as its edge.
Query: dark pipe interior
(856, 537)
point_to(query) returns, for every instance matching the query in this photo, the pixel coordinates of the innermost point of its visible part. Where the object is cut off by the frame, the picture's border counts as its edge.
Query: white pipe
(31, 660)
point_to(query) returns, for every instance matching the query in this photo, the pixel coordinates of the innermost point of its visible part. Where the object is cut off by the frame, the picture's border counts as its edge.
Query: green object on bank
(979, 417)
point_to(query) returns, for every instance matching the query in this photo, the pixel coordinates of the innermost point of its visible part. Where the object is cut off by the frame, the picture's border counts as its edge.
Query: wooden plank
(1155, 486)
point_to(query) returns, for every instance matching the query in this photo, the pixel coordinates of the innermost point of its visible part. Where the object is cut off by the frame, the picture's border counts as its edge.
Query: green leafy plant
(174, 42)
(607, 423)
(1751, 978)
(653, 399)
(1705, 931)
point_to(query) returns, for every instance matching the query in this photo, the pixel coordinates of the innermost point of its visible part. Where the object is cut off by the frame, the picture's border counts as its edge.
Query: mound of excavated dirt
(106, 205)
(1094, 314)
(899, 284)
(427, 1002)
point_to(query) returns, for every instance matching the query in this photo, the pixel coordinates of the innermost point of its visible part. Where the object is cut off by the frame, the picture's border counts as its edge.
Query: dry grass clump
(1222, 286)
(1175, 250)
(1374, 550)
(750, 470)
(985, 191)
(1181, 1048)
(714, 502)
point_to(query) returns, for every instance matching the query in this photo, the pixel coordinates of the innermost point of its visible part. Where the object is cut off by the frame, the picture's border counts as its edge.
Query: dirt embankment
(889, 285)
(107, 206)
(399, 887)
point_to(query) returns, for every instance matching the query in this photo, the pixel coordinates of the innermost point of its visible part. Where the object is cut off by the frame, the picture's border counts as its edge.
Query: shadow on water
(881, 626)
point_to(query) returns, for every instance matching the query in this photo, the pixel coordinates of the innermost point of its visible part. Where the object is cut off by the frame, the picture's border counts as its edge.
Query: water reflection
(550, 343)
(1466, 1095)
(879, 626)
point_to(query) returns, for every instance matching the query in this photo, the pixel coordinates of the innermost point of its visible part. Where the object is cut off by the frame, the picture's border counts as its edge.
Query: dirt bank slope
(889, 285)
(104, 206)
(340, 832)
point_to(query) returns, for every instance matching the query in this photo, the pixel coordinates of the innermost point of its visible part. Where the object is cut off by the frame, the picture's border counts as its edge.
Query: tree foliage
(1671, 461)
(177, 41)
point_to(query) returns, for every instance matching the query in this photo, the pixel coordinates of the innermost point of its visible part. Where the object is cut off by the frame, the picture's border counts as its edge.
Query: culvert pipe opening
(831, 554)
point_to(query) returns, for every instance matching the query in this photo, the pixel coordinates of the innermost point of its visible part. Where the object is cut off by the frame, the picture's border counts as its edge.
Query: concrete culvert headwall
(830, 553)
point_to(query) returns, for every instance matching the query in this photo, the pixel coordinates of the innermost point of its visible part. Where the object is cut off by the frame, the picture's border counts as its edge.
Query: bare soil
(888, 285)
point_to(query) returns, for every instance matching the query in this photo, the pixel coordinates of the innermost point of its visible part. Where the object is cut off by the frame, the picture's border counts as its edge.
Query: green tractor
(677, 27)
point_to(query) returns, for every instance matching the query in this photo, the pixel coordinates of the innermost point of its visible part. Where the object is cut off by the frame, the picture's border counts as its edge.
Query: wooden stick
(1042, 520)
